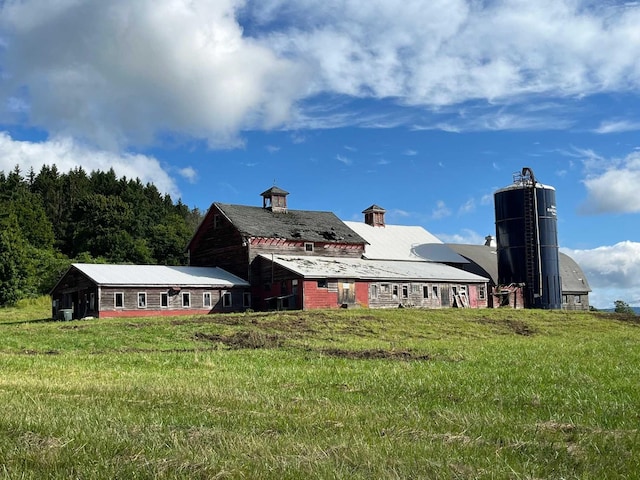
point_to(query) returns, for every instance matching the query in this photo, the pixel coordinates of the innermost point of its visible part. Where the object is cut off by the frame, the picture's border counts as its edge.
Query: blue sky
(424, 107)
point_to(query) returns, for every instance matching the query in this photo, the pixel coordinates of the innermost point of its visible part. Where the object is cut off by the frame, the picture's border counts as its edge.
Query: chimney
(374, 216)
(275, 199)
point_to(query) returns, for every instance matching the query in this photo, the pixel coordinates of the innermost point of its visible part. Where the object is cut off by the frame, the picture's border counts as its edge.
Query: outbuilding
(102, 290)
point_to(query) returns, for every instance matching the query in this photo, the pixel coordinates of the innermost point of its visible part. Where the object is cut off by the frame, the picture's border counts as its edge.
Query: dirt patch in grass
(240, 340)
(374, 354)
(512, 326)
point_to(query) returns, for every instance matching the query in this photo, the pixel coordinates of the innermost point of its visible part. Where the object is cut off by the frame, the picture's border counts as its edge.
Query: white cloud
(272, 148)
(410, 153)
(617, 126)
(613, 272)
(124, 72)
(467, 207)
(189, 173)
(440, 211)
(343, 159)
(612, 185)
(67, 155)
(464, 236)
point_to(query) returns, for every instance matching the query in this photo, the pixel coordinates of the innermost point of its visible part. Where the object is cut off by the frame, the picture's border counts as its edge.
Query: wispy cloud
(410, 153)
(468, 207)
(440, 211)
(344, 160)
(189, 173)
(618, 126)
(272, 149)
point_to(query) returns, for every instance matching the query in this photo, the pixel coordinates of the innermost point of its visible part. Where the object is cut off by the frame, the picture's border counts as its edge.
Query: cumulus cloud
(67, 155)
(125, 72)
(466, 235)
(612, 185)
(612, 271)
(121, 72)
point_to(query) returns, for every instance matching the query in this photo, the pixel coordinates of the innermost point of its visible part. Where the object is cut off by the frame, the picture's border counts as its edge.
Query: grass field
(351, 394)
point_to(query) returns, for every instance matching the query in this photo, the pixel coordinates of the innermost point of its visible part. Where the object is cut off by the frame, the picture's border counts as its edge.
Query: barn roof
(401, 271)
(303, 225)
(158, 275)
(484, 261)
(402, 242)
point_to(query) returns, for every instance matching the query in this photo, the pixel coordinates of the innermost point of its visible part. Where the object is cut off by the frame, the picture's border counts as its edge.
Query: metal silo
(527, 240)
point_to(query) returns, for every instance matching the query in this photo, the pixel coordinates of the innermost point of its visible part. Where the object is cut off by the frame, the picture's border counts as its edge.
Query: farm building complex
(271, 257)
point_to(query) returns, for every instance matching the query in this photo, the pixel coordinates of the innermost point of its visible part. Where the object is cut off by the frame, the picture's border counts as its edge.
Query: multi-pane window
(119, 299)
(142, 300)
(206, 299)
(308, 247)
(482, 292)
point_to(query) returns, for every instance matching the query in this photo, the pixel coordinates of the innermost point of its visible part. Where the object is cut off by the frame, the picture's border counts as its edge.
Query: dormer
(275, 199)
(374, 216)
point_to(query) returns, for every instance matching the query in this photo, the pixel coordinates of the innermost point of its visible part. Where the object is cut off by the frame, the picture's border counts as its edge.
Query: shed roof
(304, 225)
(158, 275)
(402, 242)
(401, 271)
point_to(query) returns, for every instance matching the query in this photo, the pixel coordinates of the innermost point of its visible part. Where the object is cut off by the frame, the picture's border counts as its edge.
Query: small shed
(102, 290)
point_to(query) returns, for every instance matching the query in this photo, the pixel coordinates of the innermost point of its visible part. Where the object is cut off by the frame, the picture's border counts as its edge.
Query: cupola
(374, 216)
(275, 199)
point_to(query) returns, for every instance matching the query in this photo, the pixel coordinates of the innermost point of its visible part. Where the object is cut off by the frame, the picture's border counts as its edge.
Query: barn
(299, 259)
(100, 290)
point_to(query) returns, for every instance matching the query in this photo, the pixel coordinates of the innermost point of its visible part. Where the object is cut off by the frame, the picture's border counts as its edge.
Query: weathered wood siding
(426, 295)
(575, 301)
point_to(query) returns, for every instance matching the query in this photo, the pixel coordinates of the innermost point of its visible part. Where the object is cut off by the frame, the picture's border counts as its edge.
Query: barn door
(444, 297)
(346, 292)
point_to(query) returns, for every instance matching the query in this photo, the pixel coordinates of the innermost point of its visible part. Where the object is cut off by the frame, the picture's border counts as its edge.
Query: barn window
(119, 300)
(482, 292)
(216, 221)
(322, 283)
(374, 291)
(405, 291)
(226, 299)
(435, 291)
(246, 299)
(308, 247)
(164, 300)
(206, 299)
(385, 288)
(186, 299)
(565, 299)
(425, 291)
(142, 300)
(395, 291)
(577, 299)
(415, 288)
(92, 301)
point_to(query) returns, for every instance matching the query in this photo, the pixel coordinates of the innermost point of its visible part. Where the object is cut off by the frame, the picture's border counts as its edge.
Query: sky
(423, 107)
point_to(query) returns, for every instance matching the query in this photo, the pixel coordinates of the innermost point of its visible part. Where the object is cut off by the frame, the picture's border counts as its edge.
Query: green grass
(330, 394)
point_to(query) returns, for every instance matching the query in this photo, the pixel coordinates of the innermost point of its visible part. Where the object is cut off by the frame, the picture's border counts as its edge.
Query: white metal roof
(161, 275)
(403, 242)
(335, 267)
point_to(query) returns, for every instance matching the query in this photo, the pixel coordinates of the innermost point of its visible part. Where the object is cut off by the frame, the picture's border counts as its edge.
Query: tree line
(50, 219)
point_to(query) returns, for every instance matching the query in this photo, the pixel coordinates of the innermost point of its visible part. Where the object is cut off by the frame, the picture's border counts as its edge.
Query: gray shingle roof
(303, 225)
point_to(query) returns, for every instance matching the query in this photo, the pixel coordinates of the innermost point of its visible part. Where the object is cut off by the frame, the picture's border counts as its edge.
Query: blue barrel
(527, 241)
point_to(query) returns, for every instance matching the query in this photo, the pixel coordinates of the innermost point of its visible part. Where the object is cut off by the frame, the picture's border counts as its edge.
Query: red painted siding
(318, 297)
(362, 294)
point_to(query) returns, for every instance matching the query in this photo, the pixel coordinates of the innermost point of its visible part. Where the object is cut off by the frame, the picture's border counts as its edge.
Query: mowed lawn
(352, 394)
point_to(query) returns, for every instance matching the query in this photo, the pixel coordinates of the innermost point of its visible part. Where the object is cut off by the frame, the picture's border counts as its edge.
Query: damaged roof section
(400, 271)
(303, 225)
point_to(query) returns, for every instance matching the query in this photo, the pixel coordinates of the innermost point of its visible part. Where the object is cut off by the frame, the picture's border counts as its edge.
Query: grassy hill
(327, 394)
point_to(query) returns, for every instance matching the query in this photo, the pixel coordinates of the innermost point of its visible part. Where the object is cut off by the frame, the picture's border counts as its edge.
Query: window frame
(142, 295)
(186, 295)
(115, 300)
(226, 303)
(164, 300)
(206, 299)
(309, 247)
(246, 299)
(323, 283)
